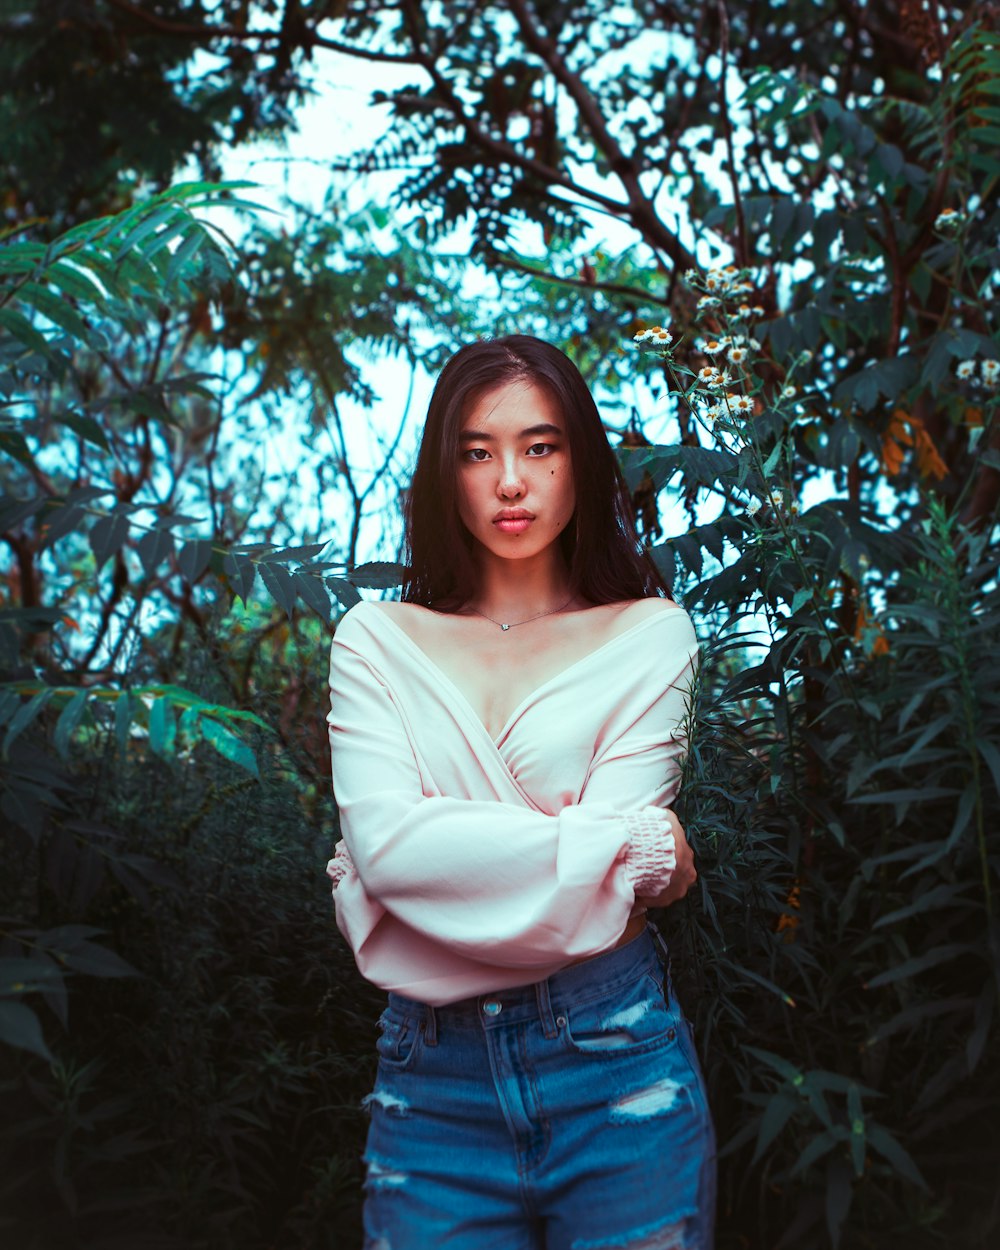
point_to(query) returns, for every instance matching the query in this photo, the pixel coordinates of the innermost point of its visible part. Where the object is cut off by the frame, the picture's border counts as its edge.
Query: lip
(514, 514)
(513, 525)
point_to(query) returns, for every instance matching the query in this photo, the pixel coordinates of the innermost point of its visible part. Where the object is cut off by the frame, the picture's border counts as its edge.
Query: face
(514, 455)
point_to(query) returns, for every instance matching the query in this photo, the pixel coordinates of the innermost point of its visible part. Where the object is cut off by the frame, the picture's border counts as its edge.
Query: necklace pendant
(505, 627)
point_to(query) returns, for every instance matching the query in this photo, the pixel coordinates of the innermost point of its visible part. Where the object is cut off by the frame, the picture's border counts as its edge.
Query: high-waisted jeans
(569, 1114)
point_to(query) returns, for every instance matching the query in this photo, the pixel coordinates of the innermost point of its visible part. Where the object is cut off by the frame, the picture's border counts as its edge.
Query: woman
(506, 742)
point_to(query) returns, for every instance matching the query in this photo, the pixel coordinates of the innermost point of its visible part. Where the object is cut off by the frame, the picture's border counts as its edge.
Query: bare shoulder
(416, 620)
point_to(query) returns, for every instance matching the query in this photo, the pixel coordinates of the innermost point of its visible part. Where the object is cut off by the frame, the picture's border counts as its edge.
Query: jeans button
(492, 1008)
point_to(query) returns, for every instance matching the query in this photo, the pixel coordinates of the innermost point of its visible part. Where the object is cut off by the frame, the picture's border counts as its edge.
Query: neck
(511, 590)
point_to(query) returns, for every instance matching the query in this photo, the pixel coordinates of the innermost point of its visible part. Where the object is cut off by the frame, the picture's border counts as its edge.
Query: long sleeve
(490, 880)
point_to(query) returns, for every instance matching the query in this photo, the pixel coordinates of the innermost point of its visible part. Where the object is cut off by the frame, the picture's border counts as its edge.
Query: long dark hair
(606, 561)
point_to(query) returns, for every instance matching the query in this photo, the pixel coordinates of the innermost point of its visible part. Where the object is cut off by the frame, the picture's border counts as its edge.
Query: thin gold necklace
(514, 624)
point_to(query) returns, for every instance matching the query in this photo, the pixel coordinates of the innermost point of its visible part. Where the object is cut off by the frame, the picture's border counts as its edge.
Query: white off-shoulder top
(470, 864)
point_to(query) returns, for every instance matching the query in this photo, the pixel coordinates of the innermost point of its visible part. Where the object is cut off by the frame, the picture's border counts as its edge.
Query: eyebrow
(480, 436)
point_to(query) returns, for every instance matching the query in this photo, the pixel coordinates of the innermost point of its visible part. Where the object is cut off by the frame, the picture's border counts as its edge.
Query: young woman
(506, 744)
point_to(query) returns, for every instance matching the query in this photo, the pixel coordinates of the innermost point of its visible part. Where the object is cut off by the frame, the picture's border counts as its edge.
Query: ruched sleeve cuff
(651, 858)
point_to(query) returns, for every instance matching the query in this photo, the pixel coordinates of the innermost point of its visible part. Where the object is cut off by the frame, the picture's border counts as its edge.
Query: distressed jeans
(569, 1114)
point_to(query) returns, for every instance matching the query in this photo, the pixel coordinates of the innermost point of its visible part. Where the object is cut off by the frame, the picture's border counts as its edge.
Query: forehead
(515, 406)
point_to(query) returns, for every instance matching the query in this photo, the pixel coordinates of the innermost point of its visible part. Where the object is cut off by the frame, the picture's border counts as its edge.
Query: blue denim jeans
(569, 1114)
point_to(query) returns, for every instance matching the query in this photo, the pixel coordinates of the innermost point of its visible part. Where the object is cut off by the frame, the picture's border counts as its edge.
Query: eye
(545, 448)
(472, 455)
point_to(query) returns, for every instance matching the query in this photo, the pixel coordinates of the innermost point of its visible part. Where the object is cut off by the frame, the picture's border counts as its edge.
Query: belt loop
(545, 1009)
(430, 1026)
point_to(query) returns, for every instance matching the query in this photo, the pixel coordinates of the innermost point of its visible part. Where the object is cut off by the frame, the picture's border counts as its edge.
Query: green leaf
(153, 548)
(22, 329)
(377, 575)
(937, 896)
(93, 960)
(193, 558)
(910, 795)
(311, 589)
(241, 571)
(229, 745)
(280, 585)
(85, 426)
(890, 1149)
(780, 1065)
(19, 1027)
(68, 721)
(107, 536)
(123, 721)
(779, 1110)
(162, 730)
(345, 593)
(920, 963)
(58, 310)
(25, 715)
(991, 757)
(856, 1118)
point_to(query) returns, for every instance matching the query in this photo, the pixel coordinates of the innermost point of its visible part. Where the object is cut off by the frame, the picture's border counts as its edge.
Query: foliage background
(185, 1041)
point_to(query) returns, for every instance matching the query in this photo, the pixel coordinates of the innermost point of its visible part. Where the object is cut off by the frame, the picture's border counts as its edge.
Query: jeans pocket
(632, 1019)
(398, 1040)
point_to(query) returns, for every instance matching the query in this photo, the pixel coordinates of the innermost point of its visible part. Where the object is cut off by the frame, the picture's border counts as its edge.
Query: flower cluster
(736, 346)
(655, 336)
(949, 221)
(724, 285)
(989, 372)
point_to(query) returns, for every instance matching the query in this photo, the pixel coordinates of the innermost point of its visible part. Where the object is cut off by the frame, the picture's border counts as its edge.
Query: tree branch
(639, 208)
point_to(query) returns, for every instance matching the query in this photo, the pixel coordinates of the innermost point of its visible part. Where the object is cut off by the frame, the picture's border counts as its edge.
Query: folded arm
(497, 881)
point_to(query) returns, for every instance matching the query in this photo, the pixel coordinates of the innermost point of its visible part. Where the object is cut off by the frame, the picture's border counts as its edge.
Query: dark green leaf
(193, 558)
(280, 585)
(154, 547)
(107, 537)
(241, 571)
(19, 1027)
(68, 720)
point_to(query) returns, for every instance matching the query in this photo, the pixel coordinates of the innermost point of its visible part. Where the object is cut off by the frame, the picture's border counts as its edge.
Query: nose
(509, 483)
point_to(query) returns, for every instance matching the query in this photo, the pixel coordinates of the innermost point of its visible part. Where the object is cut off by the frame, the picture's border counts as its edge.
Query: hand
(684, 875)
(341, 864)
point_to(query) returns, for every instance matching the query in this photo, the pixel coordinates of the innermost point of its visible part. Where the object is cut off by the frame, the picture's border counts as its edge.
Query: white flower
(805, 356)
(713, 283)
(776, 498)
(753, 344)
(789, 392)
(757, 310)
(706, 302)
(691, 276)
(659, 336)
(713, 413)
(712, 346)
(948, 220)
(745, 310)
(720, 379)
(991, 373)
(967, 368)
(707, 375)
(741, 403)
(753, 507)
(737, 355)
